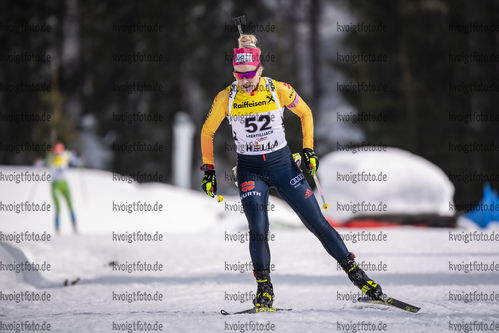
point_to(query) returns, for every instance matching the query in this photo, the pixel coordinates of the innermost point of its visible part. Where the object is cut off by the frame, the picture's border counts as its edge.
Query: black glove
(311, 161)
(209, 183)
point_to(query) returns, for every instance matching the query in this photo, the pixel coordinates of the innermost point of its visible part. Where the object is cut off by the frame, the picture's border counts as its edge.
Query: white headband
(247, 44)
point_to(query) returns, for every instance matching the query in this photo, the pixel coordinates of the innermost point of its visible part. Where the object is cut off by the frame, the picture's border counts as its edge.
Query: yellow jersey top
(59, 163)
(256, 118)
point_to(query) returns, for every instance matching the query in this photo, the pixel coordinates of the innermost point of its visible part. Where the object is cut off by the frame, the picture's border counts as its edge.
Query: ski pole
(38, 163)
(31, 194)
(325, 205)
(297, 158)
(33, 191)
(82, 185)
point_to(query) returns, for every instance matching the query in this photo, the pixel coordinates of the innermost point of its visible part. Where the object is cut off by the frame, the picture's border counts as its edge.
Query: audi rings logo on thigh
(297, 181)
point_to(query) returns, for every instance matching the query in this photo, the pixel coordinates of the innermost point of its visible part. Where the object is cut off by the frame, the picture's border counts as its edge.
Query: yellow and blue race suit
(264, 160)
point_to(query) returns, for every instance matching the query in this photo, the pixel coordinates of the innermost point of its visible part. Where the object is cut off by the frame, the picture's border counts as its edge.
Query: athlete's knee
(318, 226)
(257, 227)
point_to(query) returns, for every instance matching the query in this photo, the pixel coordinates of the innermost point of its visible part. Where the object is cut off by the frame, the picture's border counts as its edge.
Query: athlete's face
(248, 85)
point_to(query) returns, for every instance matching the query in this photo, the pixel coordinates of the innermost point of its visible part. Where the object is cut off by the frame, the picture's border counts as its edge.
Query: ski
(391, 302)
(72, 283)
(254, 310)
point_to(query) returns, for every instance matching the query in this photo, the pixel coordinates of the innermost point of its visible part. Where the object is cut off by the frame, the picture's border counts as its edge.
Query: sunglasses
(246, 75)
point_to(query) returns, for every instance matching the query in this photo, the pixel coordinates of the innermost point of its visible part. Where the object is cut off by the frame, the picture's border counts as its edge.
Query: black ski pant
(255, 175)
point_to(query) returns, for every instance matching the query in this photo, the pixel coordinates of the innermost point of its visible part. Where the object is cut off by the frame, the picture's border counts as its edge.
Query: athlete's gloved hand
(209, 183)
(311, 161)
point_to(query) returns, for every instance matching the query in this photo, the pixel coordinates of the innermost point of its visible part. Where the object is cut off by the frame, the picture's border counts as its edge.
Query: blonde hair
(245, 40)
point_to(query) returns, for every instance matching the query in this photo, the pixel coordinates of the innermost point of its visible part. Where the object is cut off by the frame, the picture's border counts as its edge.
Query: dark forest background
(424, 43)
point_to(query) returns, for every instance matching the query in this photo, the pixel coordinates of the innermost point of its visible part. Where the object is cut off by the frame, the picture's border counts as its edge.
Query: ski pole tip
(220, 198)
(325, 206)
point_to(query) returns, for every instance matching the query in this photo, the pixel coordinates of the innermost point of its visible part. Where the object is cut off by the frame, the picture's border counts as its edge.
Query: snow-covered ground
(201, 248)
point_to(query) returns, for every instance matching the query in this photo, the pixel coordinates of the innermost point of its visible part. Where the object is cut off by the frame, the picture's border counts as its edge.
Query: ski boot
(360, 278)
(265, 292)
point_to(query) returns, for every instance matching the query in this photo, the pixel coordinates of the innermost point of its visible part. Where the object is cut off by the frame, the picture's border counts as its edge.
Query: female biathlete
(254, 106)
(59, 161)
